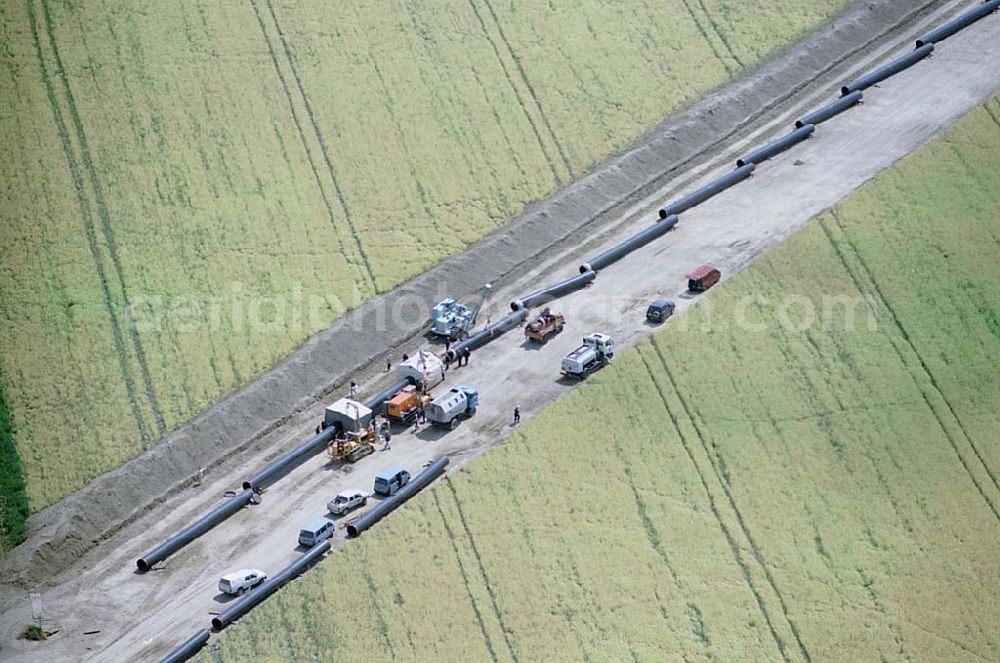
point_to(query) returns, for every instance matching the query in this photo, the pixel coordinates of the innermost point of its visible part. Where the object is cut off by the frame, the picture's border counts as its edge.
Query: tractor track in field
(317, 132)
(712, 452)
(89, 227)
(517, 93)
(856, 279)
(105, 218)
(324, 150)
(482, 568)
(713, 457)
(465, 577)
(734, 546)
(298, 124)
(720, 34)
(531, 89)
(704, 35)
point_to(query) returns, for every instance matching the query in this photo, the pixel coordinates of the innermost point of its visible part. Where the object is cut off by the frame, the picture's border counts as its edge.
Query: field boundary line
(322, 145)
(755, 551)
(105, 218)
(465, 578)
(734, 546)
(482, 568)
(517, 93)
(906, 339)
(531, 89)
(298, 126)
(88, 226)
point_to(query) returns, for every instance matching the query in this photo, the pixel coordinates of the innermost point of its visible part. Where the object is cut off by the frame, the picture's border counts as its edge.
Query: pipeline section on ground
(546, 295)
(193, 531)
(188, 649)
(616, 253)
(270, 586)
(707, 191)
(831, 110)
(777, 147)
(891, 69)
(283, 465)
(960, 23)
(387, 505)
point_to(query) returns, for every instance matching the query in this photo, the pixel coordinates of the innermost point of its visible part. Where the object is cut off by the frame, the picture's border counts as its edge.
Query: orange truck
(405, 405)
(549, 323)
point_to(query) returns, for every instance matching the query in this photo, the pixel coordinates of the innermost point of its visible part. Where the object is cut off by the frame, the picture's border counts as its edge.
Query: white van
(315, 532)
(241, 581)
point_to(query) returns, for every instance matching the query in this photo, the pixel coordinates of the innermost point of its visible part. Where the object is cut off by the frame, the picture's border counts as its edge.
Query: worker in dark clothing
(386, 435)
(517, 415)
(447, 344)
(388, 362)
(354, 388)
(465, 356)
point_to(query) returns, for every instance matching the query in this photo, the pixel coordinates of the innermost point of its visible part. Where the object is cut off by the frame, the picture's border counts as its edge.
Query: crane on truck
(549, 323)
(596, 351)
(453, 320)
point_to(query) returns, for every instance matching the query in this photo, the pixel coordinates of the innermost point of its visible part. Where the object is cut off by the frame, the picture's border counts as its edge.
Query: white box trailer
(349, 415)
(422, 366)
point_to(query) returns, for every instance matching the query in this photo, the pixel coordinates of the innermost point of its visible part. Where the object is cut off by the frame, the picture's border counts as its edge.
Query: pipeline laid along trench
(851, 95)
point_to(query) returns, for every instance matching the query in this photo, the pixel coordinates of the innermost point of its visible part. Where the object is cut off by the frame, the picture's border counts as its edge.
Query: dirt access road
(141, 617)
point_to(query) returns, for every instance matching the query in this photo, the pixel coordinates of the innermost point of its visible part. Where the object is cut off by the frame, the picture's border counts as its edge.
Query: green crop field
(191, 189)
(757, 488)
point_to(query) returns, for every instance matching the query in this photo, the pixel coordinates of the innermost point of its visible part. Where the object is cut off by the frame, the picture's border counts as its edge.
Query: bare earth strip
(898, 117)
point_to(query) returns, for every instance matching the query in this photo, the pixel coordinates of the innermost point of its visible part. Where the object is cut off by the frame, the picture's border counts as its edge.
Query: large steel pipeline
(485, 336)
(707, 191)
(960, 23)
(553, 291)
(375, 402)
(831, 109)
(289, 461)
(432, 472)
(777, 147)
(188, 649)
(641, 238)
(193, 531)
(507, 323)
(891, 69)
(250, 601)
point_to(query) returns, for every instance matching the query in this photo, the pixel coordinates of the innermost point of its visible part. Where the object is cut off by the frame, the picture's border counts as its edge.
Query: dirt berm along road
(144, 616)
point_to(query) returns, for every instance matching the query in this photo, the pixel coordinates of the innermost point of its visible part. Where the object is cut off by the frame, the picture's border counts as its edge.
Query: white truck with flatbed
(596, 351)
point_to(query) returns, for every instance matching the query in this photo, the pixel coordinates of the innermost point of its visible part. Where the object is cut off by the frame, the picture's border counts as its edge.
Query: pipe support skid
(193, 531)
(189, 648)
(485, 336)
(640, 239)
(830, 110)
(558, 290)
(960, 23)
(778, 146)
(891, 69)
(433, 471)
(270, 586)
(707, 191)
(289, 461)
